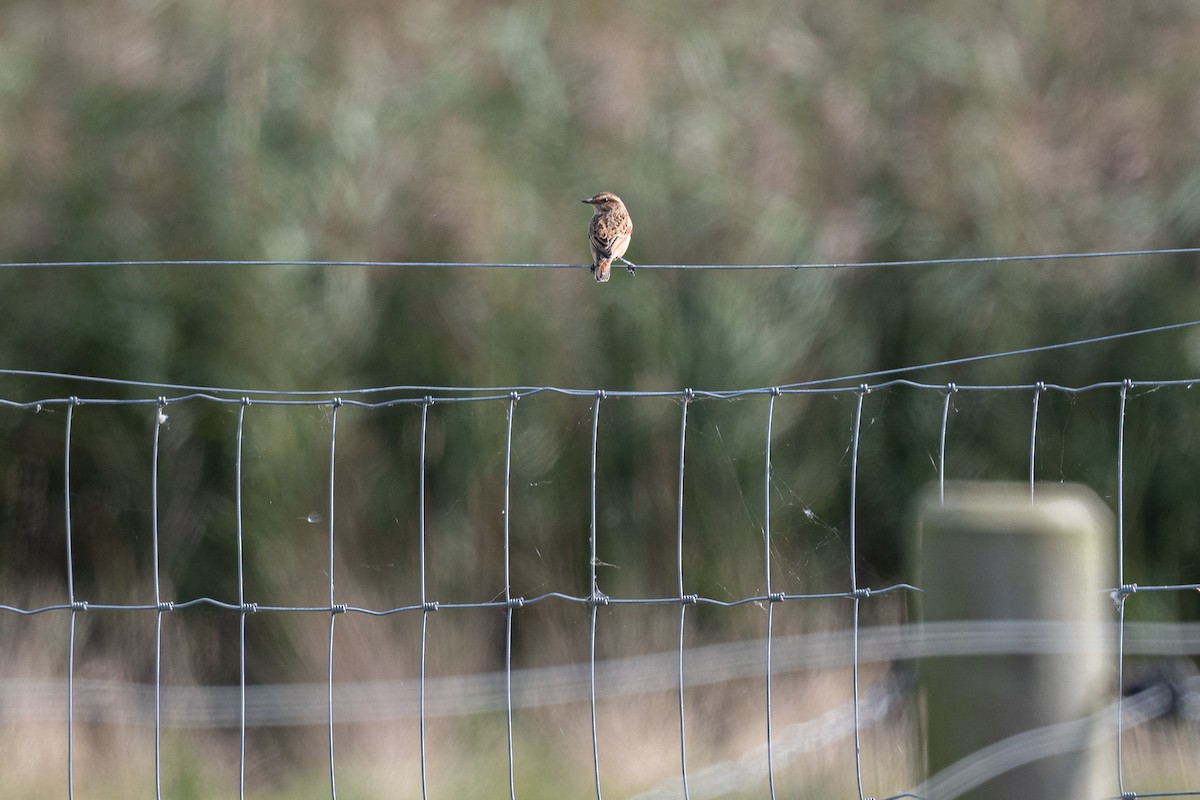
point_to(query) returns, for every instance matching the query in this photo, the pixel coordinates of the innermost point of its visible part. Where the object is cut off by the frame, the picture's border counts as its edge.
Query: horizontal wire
(434, 605)
(689, 599)
(1002, 354)
(454, 694)
(916, 262)
(335, 398)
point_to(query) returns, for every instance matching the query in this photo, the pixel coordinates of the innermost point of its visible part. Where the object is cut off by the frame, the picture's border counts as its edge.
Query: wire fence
(597, 677)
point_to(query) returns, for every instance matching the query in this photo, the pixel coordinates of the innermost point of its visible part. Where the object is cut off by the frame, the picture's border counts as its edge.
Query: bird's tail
(602, 270)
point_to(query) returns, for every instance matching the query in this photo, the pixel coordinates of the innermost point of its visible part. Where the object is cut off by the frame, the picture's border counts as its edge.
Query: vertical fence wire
(333, 609)
(595, 598)
(71, 599)
(683, 599)
(767, 575)
(508, 599)
(856, 595)
(160, 419)
(1121, 593)
(950, 390)
(241, 574)
(1033, 425)
(425, 606)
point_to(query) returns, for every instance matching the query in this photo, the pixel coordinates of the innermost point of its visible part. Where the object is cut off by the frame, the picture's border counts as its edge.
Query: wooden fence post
(1022, 723)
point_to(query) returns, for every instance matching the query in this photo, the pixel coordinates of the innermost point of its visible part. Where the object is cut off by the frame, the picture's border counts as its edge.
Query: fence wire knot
(776, 597)
(165, 605)
(249, 608)
(597, 598)
(339, 608)
(430, 605)
(861, 593)
(688, 599)
(79, 605)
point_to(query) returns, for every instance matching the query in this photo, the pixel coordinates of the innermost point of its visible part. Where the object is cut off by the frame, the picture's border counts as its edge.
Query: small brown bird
(608, 234)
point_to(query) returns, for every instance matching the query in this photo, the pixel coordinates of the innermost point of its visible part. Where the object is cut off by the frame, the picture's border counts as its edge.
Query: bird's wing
(603, 243)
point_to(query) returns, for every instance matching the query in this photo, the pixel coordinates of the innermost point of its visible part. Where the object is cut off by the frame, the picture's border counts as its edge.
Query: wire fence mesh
(761, 658)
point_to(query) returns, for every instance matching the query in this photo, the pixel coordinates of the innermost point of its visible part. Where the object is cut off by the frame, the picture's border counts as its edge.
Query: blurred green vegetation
(764, 132)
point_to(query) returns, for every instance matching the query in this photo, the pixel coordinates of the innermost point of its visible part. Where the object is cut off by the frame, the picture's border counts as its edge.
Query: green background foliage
(763, 132)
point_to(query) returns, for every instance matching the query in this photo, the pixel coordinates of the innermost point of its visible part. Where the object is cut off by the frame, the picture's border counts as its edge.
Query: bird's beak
(589, 201)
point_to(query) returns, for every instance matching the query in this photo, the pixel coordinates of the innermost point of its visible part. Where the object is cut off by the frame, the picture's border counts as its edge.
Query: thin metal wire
(425, 607)
(950, 390)
(951, 362)
(241, 572)
(1121, 593)
(1037, 394)
(854, 581)
(215, 707)
(825, 390)
(71, 601)
(159, 420)
(922, 262)
(595, 597)
(508, 604)
(451, 394)
(321, 397)
(1124, 397)
(343, 608)
(333, 608)
(683, 600)
(767, 574)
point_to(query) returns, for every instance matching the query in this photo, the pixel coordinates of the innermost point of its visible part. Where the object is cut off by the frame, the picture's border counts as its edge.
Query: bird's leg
(632, 267)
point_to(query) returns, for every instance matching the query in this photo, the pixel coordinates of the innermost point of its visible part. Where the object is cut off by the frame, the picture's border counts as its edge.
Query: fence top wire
(447, 394)
(919, 262)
